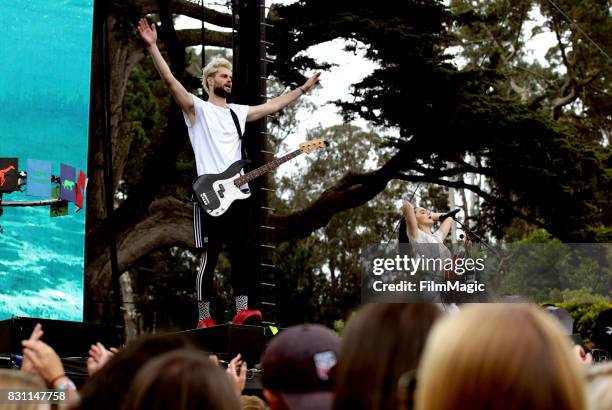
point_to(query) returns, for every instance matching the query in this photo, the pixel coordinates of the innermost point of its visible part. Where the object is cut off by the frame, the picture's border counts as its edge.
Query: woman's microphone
(450, 214)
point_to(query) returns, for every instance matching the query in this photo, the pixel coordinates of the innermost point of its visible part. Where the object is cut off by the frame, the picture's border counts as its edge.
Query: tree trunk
(123, 55)
(131, 317)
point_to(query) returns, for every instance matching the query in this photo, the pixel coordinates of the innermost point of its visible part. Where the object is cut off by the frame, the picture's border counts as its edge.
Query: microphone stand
(477, 239)
(399, 222)
(473, 237)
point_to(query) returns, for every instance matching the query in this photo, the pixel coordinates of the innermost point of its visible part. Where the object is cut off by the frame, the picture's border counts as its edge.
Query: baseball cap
(298, 365)
(565, 319)
(602, 333)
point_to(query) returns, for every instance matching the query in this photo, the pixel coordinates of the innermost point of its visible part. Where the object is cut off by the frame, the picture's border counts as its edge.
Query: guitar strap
(237, 124)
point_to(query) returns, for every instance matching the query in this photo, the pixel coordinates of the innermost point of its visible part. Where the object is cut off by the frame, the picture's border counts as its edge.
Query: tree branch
(193, 37)
(167, 222)
(505, 57)
(350, 191)
(570, 85)
(189, 9)
(574, 91)
(474, 188)
(521, 91)
(566, 62)
(447, 172)
(560, 102)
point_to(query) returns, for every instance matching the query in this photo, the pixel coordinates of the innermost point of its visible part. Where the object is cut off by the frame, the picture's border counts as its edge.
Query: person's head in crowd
(381, 344)
(184, 379)
(566, 321)
(498, 356)
(562, 315)
(297, 368)
(599, 386)
(252, 403)
(107, 388)
(16, 381)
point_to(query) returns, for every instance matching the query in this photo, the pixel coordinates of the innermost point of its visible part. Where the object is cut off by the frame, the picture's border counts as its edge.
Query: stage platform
(227, 340)
(69, 339)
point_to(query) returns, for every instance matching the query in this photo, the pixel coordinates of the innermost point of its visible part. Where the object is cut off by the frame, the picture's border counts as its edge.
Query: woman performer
(416, 229)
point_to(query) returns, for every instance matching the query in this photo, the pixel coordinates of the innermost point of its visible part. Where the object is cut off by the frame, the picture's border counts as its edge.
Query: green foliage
(339, 326)
(544, 269)
(584, 307)
(554, 174)
(538, 236)
(146, 105)
(322, 273)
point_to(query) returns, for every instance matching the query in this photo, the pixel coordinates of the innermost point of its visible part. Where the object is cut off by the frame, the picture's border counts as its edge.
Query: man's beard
(219, 91)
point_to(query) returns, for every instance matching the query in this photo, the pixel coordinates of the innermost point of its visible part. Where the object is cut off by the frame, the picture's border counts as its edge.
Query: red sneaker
(247, 317)
(208, 322)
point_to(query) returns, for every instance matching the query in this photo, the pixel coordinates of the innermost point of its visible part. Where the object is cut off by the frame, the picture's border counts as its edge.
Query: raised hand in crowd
(583, 358)
(98, 357)
(40, 358)
(45, 361)
(26, 365)
(236, 373)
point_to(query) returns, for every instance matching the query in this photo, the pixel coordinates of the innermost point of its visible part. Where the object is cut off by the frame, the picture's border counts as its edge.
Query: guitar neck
(256, 173)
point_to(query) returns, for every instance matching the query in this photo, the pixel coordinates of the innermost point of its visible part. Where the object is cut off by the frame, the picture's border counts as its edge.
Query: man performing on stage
(213, 131)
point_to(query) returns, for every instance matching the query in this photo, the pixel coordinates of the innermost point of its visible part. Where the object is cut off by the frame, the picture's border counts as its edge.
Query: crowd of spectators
(388, 357)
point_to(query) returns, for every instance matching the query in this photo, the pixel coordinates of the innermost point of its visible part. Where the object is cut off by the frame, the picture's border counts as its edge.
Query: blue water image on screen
(45, 66)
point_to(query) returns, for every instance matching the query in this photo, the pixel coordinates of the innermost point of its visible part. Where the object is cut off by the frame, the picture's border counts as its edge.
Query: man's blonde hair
(212, 68)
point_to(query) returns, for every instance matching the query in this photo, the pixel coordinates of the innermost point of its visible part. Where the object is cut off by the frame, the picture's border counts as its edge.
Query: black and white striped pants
(233, 229)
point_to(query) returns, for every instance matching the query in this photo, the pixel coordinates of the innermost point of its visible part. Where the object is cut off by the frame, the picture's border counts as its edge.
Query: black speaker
(69, 339)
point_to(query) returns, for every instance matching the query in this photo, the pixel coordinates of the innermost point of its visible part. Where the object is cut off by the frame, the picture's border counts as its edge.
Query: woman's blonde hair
(499, 357)
(14, 380)
(252, 403)
(212, 68)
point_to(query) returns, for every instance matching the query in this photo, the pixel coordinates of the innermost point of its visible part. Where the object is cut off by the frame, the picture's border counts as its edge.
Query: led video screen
(45, 69)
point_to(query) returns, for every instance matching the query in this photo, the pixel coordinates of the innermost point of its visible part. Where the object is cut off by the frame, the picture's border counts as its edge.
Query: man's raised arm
(182, 97)
(278, 103)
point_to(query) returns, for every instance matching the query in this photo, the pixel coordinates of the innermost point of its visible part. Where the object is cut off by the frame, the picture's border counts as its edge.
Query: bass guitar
(216, 192)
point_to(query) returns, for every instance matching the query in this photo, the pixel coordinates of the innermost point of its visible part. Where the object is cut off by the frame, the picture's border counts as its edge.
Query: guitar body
(216, 192)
